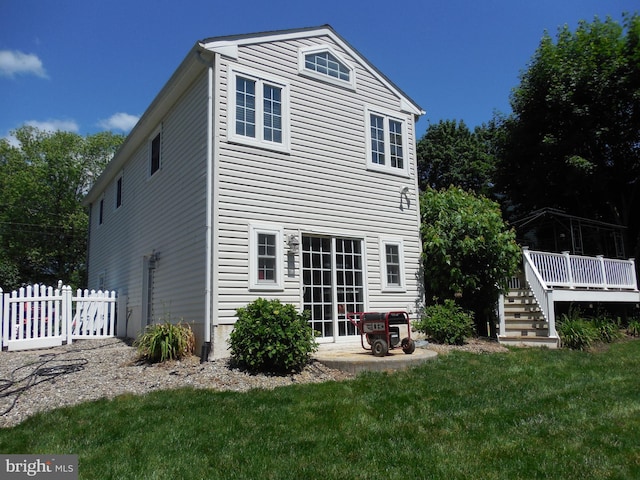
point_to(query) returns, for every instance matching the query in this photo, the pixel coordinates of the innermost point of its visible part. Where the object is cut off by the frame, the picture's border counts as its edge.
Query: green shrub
(577, 333)
(271, 337)
(608, 329)
(446, 323)
(633, 328)
(166, 341)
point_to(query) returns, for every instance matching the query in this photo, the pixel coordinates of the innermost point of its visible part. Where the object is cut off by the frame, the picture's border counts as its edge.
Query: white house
(279, 164)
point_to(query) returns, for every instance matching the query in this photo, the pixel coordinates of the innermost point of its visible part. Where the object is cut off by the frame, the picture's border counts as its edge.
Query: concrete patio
(352, 358)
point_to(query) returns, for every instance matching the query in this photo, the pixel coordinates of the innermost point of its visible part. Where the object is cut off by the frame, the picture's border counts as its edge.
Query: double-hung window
(266, 257)
(387, 143)
(392, 265)
(259, 111)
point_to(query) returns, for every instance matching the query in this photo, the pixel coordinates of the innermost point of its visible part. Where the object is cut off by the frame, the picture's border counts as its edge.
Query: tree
(450, 154)
(468, 251)
(573, 140)
(43, 225)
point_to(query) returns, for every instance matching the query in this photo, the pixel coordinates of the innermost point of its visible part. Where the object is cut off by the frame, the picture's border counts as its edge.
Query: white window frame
(254, 282)
(387, 115)
(157, 132)
(303, 70)
(261, 80)
(384, 280)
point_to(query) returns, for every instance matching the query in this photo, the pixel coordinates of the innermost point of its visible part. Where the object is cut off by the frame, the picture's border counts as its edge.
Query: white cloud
(119, 121)
(53, 125)
(14, 63)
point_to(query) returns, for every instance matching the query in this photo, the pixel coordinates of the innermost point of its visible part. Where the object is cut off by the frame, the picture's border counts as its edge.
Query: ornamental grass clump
(273, 337)
(575, 332)
(446, 323)
(166, 341)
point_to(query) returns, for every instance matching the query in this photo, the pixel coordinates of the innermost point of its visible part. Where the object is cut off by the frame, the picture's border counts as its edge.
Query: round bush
(446, 323)
(270, 336)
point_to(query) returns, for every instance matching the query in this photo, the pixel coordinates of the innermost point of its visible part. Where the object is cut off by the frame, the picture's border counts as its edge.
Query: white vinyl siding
(323, 186)
(164, 216)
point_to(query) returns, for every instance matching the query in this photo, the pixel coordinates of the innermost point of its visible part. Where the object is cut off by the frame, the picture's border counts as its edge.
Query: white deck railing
(576, 271)
(546, 271)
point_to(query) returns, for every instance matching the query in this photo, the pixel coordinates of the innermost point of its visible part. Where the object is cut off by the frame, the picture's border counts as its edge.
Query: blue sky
(89, 65)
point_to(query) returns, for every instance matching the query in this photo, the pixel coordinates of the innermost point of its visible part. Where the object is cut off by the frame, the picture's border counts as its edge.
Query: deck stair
(527, 312)
(524, 322)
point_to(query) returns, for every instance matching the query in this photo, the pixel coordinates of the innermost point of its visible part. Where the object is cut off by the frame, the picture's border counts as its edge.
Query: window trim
(157, 133)
(303, 70)
(258, 141)
(384, 279)
(254, 283)
(387, 115)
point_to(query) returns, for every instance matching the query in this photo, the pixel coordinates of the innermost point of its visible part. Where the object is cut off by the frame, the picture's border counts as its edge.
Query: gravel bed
(38, 380)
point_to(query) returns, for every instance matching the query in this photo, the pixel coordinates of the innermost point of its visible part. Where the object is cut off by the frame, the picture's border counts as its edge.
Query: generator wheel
(379, 348)
(408, 345)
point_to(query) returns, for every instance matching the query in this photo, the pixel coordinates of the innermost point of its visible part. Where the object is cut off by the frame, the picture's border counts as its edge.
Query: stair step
(529, 341)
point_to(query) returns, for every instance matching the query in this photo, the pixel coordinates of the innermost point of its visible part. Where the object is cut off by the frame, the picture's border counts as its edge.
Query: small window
(387, 143)
(323, 63)
(155, 154)
(119, 192)
(327, 64)
(266, 257)
(259, 112)
(101, 211)
(392, 263)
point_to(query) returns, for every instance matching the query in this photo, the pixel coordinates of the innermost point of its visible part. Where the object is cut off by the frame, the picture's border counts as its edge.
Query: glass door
(333, 283)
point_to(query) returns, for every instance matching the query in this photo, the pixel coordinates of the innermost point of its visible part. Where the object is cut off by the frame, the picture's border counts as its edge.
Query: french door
(333, 283)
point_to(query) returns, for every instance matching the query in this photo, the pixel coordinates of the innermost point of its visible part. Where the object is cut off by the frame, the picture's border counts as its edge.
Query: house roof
(196, 61)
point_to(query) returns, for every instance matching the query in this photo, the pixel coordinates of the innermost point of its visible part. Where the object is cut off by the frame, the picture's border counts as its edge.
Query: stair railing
(541, 291)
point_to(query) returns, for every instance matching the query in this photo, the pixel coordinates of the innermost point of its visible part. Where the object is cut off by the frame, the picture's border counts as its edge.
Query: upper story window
(101, 211)
(259, 111)
(119, 192)
(386, 143)
(155, 152)
(323, 63)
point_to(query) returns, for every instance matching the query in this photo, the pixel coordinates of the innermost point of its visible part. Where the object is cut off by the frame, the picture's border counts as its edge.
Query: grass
(526, 414)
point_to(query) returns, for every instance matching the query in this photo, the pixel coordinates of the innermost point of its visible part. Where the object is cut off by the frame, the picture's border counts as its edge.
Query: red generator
(382, 331)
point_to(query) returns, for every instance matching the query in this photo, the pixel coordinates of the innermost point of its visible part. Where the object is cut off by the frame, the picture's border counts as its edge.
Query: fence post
(121, 316)
(67, 314)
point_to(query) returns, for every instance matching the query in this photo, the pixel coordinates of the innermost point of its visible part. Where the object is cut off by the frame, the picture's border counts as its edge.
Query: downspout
(206, 347)
(214, 217)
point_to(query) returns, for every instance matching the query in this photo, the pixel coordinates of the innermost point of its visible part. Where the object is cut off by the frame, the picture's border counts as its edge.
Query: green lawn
(526, 414)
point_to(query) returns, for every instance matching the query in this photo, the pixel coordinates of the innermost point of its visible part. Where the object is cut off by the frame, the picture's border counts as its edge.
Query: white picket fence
(38, 316)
